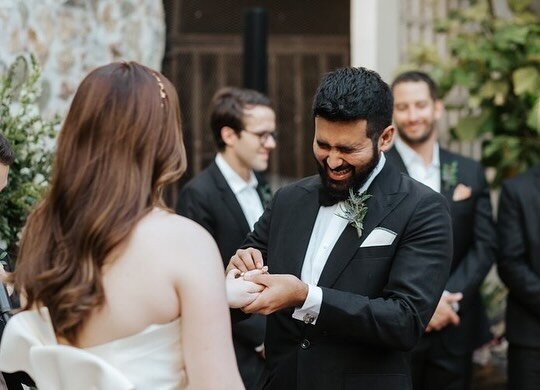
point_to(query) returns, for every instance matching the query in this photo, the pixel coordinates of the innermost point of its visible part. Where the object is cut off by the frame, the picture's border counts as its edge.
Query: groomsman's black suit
(518, 225)
(376, 300)
(474, 253)
(208, 200)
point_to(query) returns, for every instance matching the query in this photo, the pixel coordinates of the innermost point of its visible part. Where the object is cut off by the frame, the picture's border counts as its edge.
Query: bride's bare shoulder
(163, 227)
(173, 242)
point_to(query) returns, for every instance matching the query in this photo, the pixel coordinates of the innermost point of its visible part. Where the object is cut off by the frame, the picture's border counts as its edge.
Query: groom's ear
(386, 138)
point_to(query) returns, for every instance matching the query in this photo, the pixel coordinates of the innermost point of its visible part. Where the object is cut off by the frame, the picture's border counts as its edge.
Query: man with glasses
(228, 197)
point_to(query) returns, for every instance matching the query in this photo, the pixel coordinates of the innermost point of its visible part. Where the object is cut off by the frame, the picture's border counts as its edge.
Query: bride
(120, 293)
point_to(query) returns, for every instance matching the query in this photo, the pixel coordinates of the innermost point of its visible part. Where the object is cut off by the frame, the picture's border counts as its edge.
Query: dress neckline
(152, 328)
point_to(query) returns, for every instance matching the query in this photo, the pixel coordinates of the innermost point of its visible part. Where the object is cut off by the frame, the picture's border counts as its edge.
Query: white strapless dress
(151, 359)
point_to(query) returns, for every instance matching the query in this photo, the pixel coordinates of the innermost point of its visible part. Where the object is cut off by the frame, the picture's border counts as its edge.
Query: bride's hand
(247, 274)
(240, 292)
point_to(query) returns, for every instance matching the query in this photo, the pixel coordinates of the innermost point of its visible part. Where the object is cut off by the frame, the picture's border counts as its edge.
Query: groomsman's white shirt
(429, 175)
(326, 231)
(245, 192)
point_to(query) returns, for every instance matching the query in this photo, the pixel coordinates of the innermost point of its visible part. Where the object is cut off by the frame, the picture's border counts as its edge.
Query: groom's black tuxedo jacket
(518, 226)
(474, 250)
(208, 200)
(376, 300)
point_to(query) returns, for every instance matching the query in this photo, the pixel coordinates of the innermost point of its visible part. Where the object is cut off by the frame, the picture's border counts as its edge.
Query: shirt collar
(232, 178)
(409, 156)
(378, 168)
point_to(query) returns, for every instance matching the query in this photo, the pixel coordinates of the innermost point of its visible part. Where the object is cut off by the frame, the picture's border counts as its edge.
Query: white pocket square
(379, 237)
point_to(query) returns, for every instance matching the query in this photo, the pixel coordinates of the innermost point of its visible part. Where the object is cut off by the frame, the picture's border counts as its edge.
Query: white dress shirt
(244, 191)
(430, 174)
(326, 232)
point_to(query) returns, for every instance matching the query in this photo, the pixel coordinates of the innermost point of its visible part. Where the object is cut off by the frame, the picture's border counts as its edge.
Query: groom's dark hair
(350, 94)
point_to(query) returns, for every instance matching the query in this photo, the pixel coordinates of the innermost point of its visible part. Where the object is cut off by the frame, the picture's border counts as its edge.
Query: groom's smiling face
(345, 155)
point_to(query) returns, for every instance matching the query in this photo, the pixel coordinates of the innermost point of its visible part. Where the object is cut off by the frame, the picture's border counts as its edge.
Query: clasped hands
(251, 288)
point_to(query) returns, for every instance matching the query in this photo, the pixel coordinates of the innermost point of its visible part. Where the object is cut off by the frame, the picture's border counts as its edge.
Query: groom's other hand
(246, 260)
(281, 291)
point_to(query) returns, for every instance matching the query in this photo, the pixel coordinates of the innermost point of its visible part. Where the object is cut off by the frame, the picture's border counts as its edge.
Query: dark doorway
(204, 46)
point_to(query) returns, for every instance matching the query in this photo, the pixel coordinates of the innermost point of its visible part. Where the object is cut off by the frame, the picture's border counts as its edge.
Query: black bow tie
(327, 199)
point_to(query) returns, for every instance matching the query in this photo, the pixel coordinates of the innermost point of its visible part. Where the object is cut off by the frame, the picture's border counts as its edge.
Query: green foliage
(494, 295)
(354, 210)
(497, 61)
(449, 175)
(32, 139)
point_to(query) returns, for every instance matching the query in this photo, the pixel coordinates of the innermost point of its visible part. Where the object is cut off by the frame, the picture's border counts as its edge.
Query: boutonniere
(354, 210)
(266, 193)
(449, 175)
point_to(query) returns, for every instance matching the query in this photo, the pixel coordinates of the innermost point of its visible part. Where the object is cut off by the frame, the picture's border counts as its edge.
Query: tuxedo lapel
(394, 157)
(383, 200)
(228, 198)
(446, 159)
(303, 214)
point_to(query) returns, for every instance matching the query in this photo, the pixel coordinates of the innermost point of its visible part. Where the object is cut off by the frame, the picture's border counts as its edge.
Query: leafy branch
(496, 61)
(32, 138)
(354, 210)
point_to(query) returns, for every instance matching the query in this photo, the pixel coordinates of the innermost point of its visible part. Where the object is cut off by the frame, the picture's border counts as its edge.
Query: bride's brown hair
(120, 144)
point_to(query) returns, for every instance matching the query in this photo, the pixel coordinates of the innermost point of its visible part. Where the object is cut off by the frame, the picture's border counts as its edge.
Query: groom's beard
(337, 191)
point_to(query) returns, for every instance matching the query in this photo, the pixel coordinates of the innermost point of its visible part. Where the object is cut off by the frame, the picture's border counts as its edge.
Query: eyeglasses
(263, 135)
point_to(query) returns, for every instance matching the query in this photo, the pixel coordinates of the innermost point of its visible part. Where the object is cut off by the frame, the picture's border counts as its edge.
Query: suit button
(305, 344)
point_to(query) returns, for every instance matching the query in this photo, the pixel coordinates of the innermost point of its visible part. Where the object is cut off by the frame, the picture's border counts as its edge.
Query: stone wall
(71, 37)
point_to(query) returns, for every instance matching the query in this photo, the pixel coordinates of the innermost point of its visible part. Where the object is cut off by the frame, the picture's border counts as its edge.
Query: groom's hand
(246, 260)
(281, 291)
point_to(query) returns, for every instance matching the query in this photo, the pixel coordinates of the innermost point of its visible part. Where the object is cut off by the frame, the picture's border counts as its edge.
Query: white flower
(37, 126)
(25, 171)
(32, 110)
(3, 244)
(49, 144)
(39, 179)
(36, 158)
(33, 146)
(15, 109)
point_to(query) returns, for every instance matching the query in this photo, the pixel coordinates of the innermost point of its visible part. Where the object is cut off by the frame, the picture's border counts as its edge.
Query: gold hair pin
(162, 93)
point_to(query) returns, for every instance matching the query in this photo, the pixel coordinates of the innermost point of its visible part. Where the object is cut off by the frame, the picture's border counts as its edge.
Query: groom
(348, 295)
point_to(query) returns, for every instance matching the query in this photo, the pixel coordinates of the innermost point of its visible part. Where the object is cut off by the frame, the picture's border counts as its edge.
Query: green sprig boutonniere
(449, 175)
(354, 210)
(265, 192)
